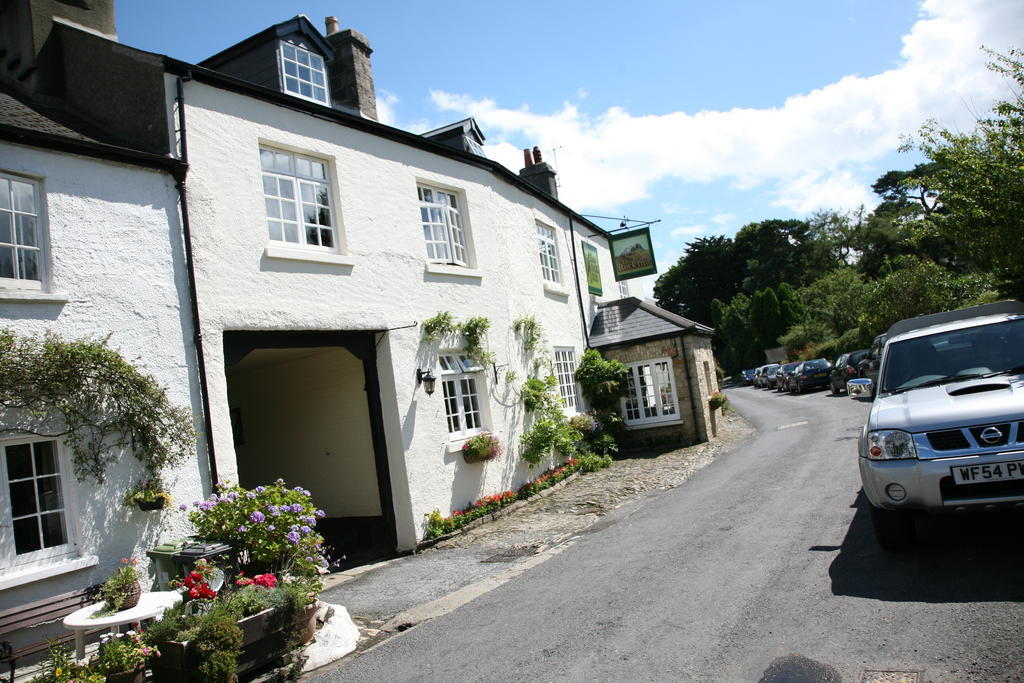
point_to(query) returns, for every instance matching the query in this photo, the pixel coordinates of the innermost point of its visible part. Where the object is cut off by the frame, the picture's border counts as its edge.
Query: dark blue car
(810, 374)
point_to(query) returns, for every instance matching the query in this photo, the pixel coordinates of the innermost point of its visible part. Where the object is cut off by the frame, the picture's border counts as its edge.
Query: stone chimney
(538, 172)
(349, 73)
(28, 58)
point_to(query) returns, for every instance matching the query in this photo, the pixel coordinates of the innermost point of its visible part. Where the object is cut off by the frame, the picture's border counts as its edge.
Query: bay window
(650, 393)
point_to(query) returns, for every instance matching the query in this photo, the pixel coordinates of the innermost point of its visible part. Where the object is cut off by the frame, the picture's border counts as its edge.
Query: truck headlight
(891, 444)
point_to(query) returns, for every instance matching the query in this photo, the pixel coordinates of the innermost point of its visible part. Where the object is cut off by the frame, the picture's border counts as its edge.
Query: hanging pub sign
(632, 254)
(593, 268)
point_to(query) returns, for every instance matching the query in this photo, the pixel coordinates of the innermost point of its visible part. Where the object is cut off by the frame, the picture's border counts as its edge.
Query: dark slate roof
(297, 24)
(635, 320)
(18, 114)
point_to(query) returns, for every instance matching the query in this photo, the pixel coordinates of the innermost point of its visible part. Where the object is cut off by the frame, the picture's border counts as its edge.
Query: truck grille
(1004, 437)
(949, 440)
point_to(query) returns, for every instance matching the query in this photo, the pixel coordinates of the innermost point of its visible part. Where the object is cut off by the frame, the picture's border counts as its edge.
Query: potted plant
(273, 526)
(122, 658)
(483, 446)
(60, 667)
(717, 400)
(122, 590)
(148, 494)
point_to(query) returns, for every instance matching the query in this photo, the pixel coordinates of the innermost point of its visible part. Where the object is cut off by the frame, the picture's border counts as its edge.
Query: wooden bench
(37, 613)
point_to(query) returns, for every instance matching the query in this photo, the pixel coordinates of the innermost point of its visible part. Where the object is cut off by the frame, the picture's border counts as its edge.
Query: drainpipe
(204, 394)
(576, 274)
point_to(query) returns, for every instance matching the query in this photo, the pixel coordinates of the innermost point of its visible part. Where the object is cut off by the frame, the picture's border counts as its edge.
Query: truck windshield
(983, 350)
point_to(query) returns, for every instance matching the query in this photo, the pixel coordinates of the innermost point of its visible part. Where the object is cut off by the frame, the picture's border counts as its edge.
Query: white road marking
(794, 424)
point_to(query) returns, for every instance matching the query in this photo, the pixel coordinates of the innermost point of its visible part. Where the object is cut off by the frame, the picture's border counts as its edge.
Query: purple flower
(295, 527)
(183, 507)
(305, 529)
(296, 507)
(279, 481)
(299, 489)
(260, 489)
(293, 537)
(271, 527)
(250, 495)
(274, 510)
(320, 513)
(205, 507)
(243, 529)
(308, 558)
(257, 517)
(213, 496)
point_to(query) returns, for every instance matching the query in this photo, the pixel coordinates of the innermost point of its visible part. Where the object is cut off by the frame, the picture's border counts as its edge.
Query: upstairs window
(303, 73)
(548, 248)
(297, 197)
(651, 392)
(623, 289)
(442, 226)
(565, 372)
(461, 394)
(21, 258)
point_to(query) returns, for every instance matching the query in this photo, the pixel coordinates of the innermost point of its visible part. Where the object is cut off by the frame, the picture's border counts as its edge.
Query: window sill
(38, 573)
(654, 423)
(455, 445)
(289, 254)
(458, 271)
(32, 296)
(557, 290)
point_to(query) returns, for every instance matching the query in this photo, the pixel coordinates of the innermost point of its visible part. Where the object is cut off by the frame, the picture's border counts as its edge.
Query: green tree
(916, 287)
(835, 300)
(775, 251)
(766, 318)
(740, 349)
(979, 178)
(710, 268)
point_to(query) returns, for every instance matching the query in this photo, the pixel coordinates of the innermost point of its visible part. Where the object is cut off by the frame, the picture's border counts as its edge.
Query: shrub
(273, 524)
(538, 394)
(602, 381)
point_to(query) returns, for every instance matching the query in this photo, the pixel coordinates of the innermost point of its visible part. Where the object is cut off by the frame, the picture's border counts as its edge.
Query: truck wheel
(894, 529)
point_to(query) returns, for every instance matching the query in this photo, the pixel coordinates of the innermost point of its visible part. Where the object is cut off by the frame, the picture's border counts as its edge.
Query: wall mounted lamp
(427, 379)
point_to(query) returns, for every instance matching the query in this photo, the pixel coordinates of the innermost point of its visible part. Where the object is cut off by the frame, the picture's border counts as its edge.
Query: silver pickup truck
(946, 429)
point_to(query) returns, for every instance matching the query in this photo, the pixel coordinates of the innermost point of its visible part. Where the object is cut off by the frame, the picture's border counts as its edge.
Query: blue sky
(705, 116)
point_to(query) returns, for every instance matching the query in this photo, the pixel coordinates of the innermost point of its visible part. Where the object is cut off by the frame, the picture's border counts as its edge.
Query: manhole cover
(513, 553)
(890, 677)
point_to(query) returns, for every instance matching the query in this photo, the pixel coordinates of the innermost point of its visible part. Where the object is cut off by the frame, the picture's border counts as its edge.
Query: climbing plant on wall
(83, 391)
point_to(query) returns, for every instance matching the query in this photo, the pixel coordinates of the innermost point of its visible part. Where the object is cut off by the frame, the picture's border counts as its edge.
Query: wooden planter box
(263, 641)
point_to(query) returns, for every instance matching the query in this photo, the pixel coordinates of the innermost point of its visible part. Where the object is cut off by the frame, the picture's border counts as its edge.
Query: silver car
(946, 429)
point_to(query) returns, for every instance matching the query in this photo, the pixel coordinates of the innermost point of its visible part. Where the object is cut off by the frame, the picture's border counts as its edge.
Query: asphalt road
(761, 567)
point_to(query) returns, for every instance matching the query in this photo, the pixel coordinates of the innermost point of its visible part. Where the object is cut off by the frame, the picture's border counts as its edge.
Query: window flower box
(264, 639)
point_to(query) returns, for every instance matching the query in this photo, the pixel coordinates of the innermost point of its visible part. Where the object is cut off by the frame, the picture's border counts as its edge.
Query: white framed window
(650, 392)
(623, 289)
(548, 248)
(34, 518)
(461, 394)
(443, 229)
(297, 199)
(21, 233)
(303, 73)
(565, 372)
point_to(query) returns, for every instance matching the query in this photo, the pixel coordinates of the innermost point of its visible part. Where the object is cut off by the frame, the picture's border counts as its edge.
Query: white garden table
(151, 606)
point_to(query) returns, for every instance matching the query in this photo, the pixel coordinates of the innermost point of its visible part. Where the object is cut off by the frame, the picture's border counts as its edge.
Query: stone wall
(690, 355)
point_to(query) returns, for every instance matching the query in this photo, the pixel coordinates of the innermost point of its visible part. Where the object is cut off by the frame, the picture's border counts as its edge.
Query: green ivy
(87, 393)
(539, 394)
(441, 325)
(529, 331)
(474, 330)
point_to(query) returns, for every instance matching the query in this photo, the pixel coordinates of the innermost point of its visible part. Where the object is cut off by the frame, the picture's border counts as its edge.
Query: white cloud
(689, 231)
(723, 218)
(806, 153)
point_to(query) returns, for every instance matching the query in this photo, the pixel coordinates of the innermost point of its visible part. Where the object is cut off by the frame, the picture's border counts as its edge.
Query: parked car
(761, 376)
(810, 374)
(845, 369)
(769, 375)
(944, 432)
(783, 375)
(868, 367)
(748, 375)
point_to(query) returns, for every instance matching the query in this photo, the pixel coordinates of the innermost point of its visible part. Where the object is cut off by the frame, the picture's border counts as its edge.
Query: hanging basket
(147, 505)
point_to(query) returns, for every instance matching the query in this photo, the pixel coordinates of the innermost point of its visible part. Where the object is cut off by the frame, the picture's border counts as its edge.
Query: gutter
(204, 392)
(90, 148)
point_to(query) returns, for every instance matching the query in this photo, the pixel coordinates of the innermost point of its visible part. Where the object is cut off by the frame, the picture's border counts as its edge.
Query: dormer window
(303, 73)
